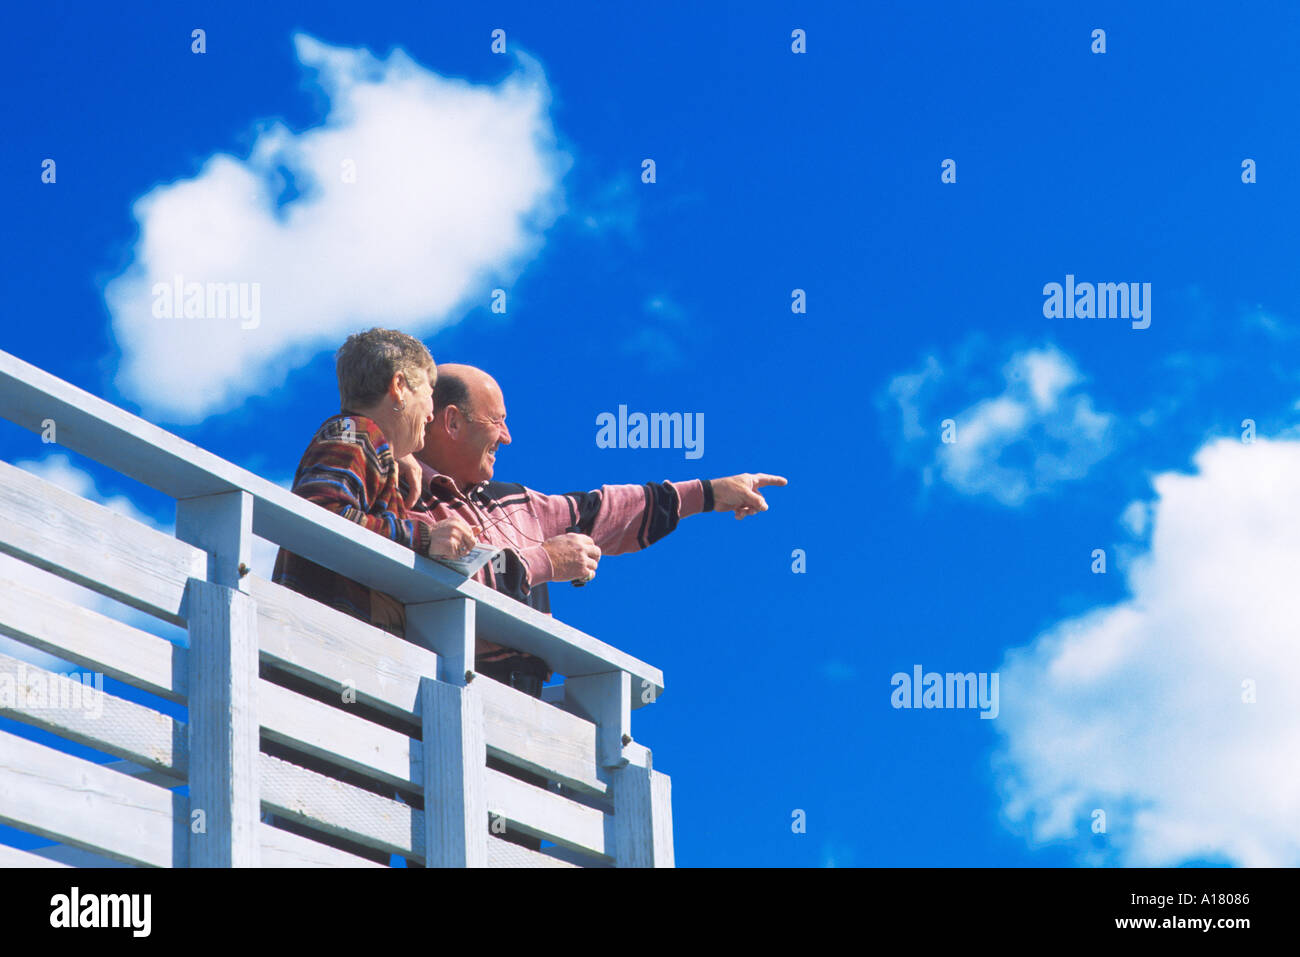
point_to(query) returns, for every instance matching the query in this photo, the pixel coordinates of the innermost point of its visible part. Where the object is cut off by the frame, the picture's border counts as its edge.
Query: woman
(351, 467)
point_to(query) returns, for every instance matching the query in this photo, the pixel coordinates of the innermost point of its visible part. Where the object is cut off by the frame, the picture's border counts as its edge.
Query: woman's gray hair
(367, 362)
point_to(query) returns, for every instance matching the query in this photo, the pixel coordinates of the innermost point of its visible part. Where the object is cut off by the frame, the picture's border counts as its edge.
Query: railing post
(643, 818)
(607, 700)
(446, 628)
(223, 669)
(223, 774)
(455, 759)
(221, 525)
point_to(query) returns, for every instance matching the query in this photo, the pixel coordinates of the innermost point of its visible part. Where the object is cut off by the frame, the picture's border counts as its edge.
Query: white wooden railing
(407, 722)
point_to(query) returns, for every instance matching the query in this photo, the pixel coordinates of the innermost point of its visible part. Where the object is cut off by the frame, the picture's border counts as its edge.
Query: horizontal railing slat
(284, 849)
(519, 729)
(98, 720)
(92, 640)
(339, 808)
(574, 858)
(73, 801)
(391, 826)
(314, 641)
(547, 815)
(93, 546)
(540, 737)
(502, 853)
(334, 735)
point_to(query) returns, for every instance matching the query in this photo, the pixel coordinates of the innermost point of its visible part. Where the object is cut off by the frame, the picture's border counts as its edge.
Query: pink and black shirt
(619, 518)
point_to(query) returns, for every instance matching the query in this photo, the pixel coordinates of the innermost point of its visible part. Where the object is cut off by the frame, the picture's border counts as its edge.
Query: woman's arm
(349, 470)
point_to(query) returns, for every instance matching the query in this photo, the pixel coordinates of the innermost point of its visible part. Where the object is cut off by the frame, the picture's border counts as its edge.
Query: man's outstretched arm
(580, 527)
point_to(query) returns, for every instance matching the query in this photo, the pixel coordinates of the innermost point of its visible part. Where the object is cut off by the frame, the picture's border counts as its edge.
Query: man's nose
(504, 434)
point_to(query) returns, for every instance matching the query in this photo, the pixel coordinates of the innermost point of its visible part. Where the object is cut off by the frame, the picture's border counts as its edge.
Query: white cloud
(1038, 432)
(906, 390)
(454, 185)
(1137, 708)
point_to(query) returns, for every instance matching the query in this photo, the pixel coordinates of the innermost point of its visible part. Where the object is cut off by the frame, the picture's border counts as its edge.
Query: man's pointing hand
(739, 493)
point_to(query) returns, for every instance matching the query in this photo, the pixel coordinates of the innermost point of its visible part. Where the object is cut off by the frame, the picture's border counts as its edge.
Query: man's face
(483, 431)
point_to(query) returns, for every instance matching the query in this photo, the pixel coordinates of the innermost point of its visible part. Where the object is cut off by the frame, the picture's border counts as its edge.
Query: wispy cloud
(1141, 710)
(414, 194)
(612, 208)
(657, 342)
(837, 670)
(1038, 432)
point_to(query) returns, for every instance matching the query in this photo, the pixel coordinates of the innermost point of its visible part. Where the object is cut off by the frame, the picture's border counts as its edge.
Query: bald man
(548, 538)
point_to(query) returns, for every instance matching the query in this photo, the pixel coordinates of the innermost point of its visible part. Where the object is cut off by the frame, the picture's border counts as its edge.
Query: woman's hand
(451, 538)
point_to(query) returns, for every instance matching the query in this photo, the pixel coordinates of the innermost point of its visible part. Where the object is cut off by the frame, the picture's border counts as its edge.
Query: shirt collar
(432, 476)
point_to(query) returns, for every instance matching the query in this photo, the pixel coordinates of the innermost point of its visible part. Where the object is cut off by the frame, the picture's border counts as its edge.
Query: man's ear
(441, 420)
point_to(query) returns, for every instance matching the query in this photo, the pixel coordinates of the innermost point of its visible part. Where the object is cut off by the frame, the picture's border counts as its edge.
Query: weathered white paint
(516, 728)
(72, 801)
(548, 815)
(94, 641)
(335, 735)
(283, 849)
(539, 737)
(605, 699)
(455, 762)
(93, 546)
(338, 652)
(574, 858)
(501, 853)
(223, 725)
(99, 720)
(643, 826)
(221, 525)
(638, 754)
(339, 808)
(447, 628)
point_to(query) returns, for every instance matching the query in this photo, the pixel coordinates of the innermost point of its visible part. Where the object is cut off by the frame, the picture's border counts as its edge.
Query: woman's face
(417, 414)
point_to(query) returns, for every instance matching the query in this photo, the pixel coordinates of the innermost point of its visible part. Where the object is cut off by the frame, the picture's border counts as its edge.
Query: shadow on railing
(284, 713)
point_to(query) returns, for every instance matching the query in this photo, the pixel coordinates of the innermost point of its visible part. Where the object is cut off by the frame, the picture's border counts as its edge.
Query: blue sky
(775, 171)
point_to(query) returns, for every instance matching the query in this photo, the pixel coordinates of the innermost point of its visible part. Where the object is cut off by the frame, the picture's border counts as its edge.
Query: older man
(547, 538)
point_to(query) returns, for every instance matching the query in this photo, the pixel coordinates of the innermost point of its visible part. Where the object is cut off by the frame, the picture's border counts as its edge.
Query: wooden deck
(378, 743)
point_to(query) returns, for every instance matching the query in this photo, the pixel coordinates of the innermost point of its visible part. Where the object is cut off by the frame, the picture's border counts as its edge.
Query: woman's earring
(402, 408)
